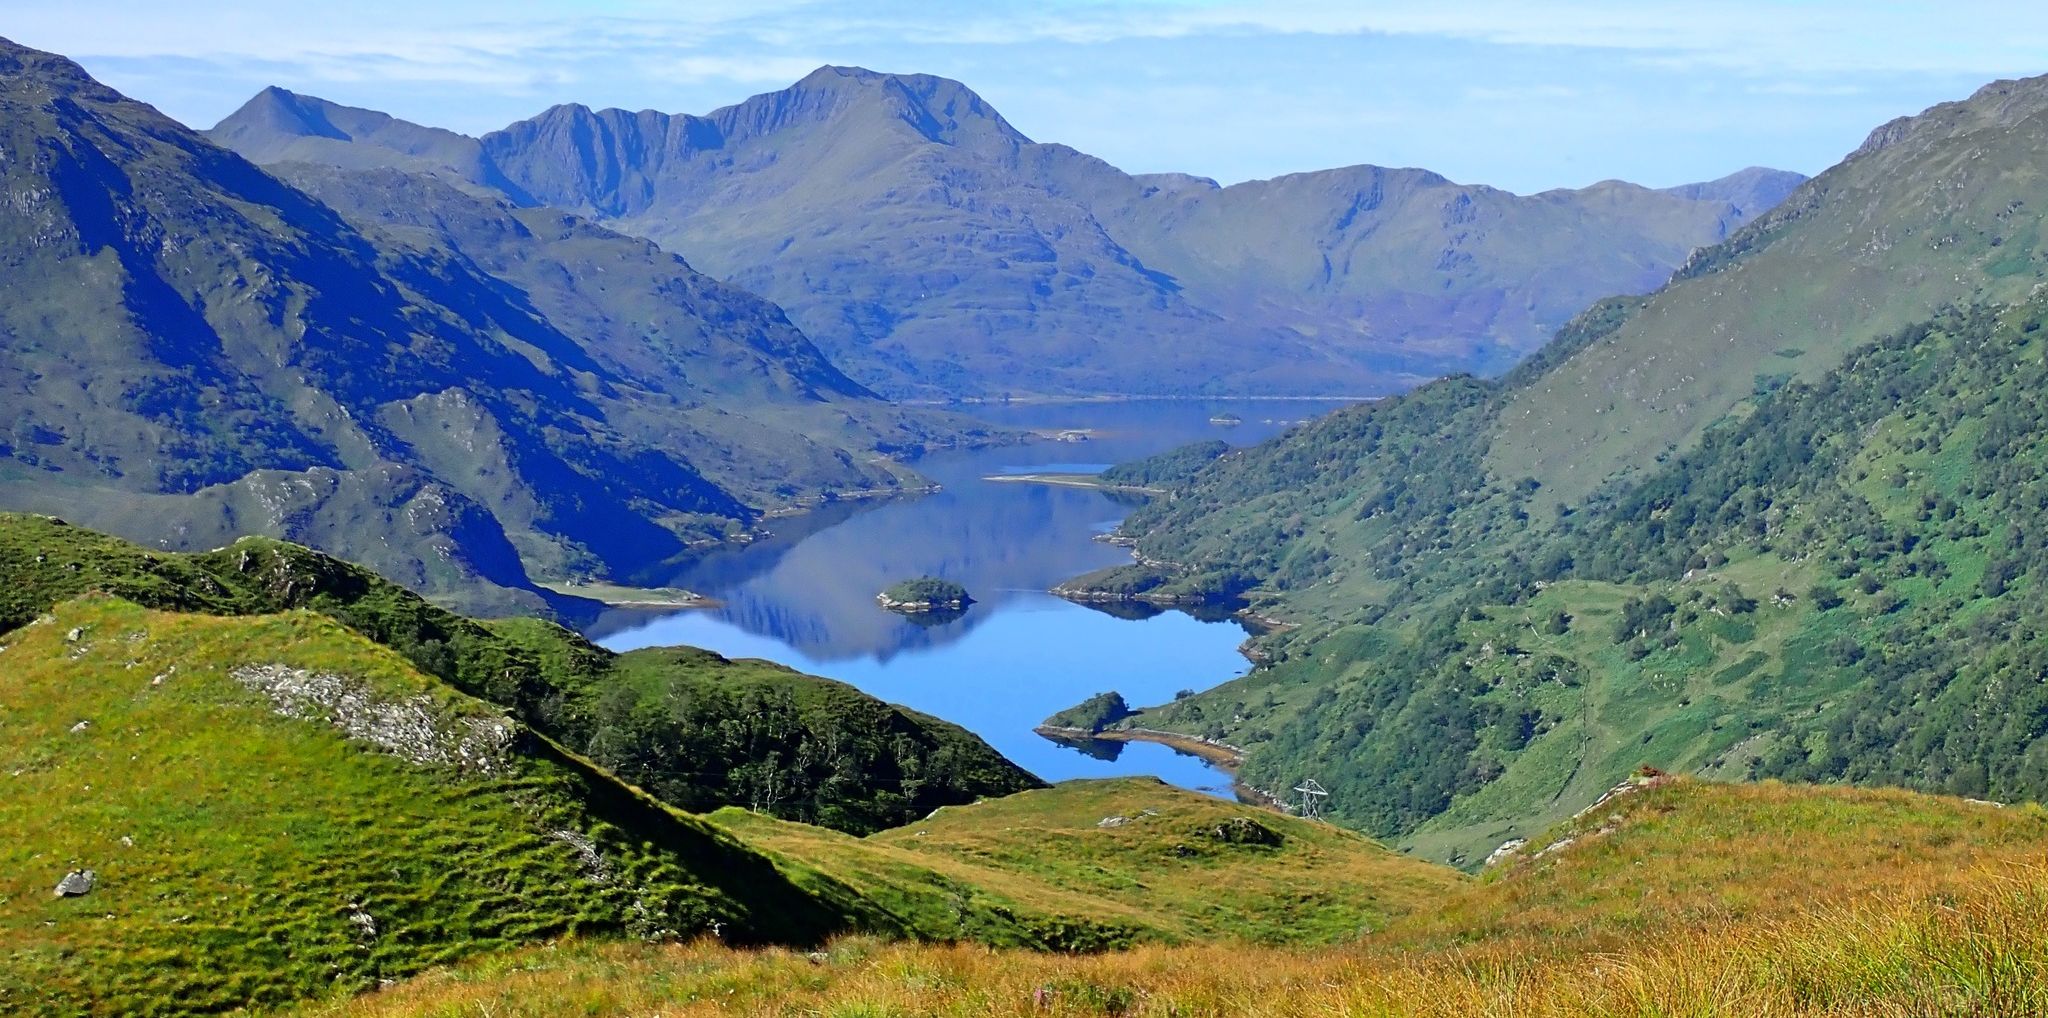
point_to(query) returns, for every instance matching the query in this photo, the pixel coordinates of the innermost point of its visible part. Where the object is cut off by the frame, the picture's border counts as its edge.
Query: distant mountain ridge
(932, 249)
(450, 389)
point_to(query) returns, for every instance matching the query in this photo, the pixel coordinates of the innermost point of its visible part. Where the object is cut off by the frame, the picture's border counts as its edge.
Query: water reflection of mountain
(819, 596)
(812, 584)
(1106, 750)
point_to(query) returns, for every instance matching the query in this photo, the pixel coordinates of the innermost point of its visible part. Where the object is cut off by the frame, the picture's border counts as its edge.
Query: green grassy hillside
(696, 729)
(1834, 586)
(274, 807)
(1680, 898)
(1118, 862)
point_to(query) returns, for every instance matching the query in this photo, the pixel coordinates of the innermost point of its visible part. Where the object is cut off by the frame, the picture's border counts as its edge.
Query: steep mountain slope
(693, 728)
(931, 248)
(1943, 208)
(1788, 577)
(712, 370)
(191, 348)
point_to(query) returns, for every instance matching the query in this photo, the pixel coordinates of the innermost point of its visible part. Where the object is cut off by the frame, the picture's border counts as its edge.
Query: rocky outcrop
(416, 728)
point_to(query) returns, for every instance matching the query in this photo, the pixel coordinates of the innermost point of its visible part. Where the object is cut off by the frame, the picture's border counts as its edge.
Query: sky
(1518, 94)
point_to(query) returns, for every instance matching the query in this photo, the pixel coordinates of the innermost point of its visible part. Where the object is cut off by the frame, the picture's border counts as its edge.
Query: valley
(841, 555)
(806, 599)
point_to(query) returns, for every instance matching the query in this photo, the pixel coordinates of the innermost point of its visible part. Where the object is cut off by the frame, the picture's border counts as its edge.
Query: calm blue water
(805, 597)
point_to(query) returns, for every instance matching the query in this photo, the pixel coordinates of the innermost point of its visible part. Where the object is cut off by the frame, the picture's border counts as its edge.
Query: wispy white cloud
(470, 39)
(1506, 91)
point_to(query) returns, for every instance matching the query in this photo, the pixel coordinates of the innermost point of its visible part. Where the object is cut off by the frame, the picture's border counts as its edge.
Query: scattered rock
(127, 842)
(76, 634)
(1244, 831)
(364, 922)
(1116, 821)
(1507, 848)
(594, 864)
(81, 726)
(76, 883)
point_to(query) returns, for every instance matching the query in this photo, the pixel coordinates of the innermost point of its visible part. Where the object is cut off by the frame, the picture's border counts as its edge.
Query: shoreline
(1073, 481)
(1132, 398)
(1223, 756)
(614, 595)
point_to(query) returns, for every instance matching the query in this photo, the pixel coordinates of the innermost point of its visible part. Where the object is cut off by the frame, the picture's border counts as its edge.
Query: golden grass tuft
(1698, 900)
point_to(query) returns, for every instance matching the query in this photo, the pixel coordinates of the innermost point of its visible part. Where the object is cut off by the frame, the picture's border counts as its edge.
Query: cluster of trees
(701, 733)
(1093, 714)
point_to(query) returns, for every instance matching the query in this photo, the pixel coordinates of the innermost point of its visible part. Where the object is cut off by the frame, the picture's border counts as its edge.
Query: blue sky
(1523, 95)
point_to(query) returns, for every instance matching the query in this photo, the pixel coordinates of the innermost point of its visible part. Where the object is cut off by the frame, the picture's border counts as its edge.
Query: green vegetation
(286, 786)
(694, 728)
(1093, 714)
(926, 593)
(1096, 864)
(1822, 577)
(1155, 585)
(1175, 466)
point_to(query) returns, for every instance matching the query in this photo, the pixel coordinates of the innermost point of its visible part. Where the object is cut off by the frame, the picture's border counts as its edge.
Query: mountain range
(931, 249)
(460, 392)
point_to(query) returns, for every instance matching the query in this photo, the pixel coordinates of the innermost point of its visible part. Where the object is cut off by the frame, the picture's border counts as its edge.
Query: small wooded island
(925, 594)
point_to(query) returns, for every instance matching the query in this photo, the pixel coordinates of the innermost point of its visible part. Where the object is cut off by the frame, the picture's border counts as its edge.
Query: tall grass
(1919, 951)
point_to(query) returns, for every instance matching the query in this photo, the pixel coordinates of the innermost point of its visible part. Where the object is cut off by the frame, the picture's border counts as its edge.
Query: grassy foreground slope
(1684, 898)
(692, 727)
(1116, 862)
(274, 806)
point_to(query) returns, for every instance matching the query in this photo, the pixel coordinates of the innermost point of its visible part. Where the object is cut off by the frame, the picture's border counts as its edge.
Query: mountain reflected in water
(806, 595)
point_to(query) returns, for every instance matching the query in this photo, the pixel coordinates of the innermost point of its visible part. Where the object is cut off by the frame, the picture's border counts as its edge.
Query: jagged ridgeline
(692, 728)
(932, 249)
(412, 376)
(1771, 520)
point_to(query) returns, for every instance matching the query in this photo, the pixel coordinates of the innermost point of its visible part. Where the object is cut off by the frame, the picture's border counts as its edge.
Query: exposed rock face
(1506, 850)
(416, 729)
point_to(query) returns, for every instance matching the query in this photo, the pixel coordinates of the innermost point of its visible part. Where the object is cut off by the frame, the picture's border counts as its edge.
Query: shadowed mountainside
(193, 349)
